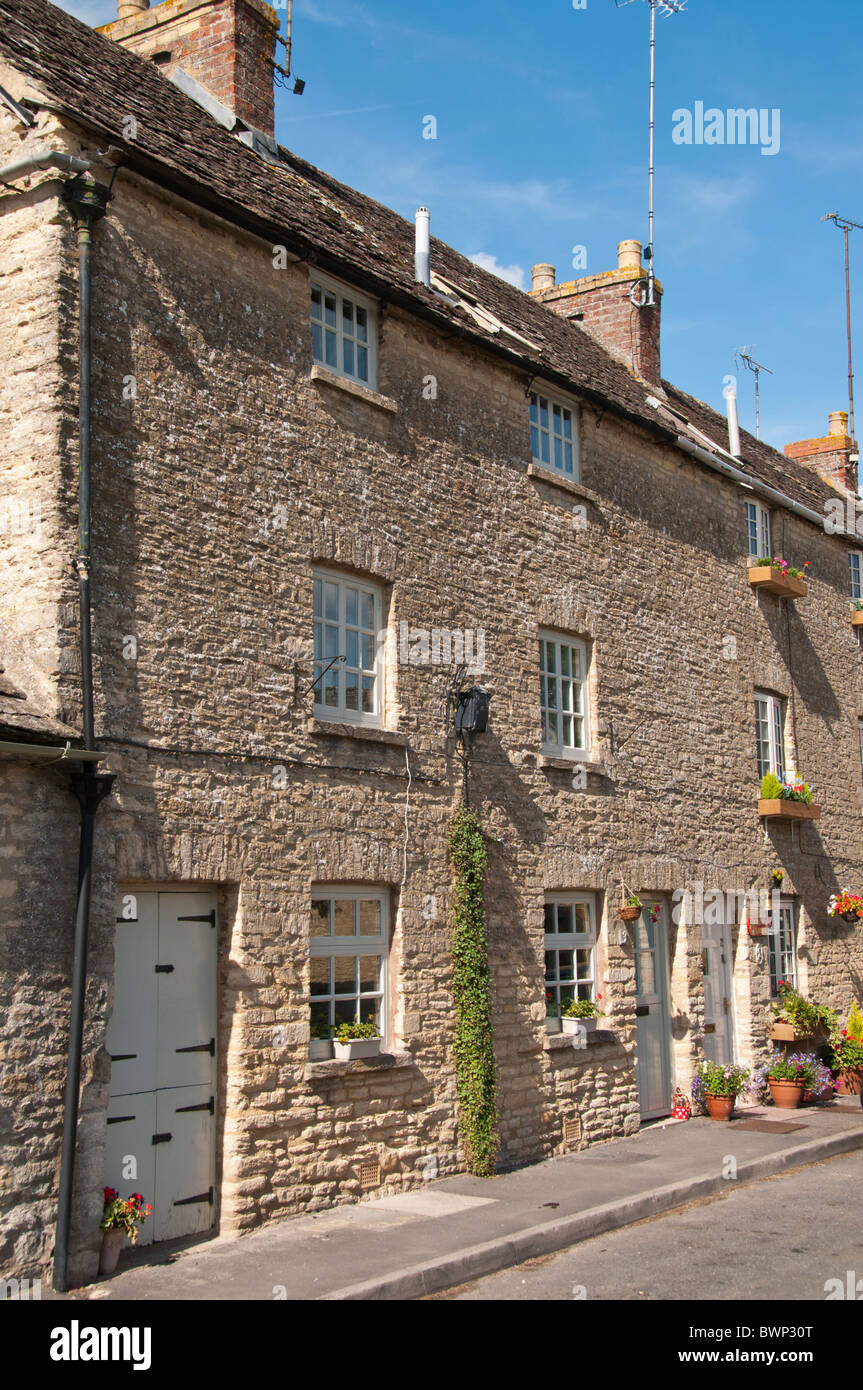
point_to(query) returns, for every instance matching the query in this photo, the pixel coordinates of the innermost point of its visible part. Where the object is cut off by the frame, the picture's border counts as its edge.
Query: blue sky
(541, 146)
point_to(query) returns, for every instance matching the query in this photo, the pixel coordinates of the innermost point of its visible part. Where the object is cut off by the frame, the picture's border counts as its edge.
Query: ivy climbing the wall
(474, 1051)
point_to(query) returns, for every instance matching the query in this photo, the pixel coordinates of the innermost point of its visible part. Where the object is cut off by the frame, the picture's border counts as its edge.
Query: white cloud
(513, 274)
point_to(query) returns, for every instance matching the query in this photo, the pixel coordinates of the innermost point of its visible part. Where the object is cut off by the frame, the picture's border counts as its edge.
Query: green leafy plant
(353, 1031)
(806, 1016)
(778, 874)
(321, 1032)
(552, 1008)
(791, 788)
(854, 1023)
(777, 563)
(712, 1079)
(782, 1068)
(633, 901)
(123, 1213)
(846, 1044)
(583, 1008)
(476, 1075)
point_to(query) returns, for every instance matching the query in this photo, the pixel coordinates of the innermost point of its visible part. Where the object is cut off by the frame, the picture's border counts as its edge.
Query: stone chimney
(833, 457)
(225, 45)
(602, 305)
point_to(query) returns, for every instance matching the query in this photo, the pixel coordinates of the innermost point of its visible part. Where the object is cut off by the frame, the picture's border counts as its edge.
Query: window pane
(319, 981)
(369, 1010)
(348, 350)
(565, 965)
(368, 612)
(317, 343)
(331, 599)
(363, 363)
(352, 605)
(550, 918)
(348, 317)
(352, 648)
(343, 917)
(320, 918)
(330, 310)
(345, 1010)
(370, 974)
(344, 974)
(319, 1017)
(582, 919)
(316, 301)
(362, 329)
(368, 695)
(331, 350)
(564, 917)
(370, 917)
(331, 644)
(352, 690)
(368, 652)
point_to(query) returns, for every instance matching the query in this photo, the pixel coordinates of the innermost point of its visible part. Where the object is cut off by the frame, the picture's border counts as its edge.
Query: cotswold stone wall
(222, 473)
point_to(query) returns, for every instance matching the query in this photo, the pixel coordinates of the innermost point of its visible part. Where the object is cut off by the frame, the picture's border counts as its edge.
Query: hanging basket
(629, 914)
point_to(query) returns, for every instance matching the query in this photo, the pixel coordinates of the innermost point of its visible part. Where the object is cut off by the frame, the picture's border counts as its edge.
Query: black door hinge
(200, 1047)
(162, 1138)
(207, 917)
(205, 1105)
(190, 1201)
(164, 969)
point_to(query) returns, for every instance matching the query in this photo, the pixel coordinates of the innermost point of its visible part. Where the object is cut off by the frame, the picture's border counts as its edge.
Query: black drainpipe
(87, 201)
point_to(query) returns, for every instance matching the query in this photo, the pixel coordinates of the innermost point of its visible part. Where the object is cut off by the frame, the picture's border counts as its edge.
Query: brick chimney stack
(225, 45)
(833, 457)
(603, 306)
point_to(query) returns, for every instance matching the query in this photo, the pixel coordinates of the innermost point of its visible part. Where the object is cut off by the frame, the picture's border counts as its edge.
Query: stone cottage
(319, 473)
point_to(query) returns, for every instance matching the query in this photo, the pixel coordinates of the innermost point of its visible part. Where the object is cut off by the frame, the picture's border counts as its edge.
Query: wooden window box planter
(769, 580)
(788, 810)
(786, 1032)
(857, 617)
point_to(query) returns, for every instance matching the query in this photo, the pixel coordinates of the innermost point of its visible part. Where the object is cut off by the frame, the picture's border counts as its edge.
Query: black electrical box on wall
(471, 714)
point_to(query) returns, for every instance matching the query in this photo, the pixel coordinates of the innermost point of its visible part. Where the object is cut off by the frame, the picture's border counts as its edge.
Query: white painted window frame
(330, 946)
(770, 718)
(782, 947)
(559, 748)
(554, 402)
(855, 574)
(340, 713)
(758, 531)
(572, 941)
(342, 292)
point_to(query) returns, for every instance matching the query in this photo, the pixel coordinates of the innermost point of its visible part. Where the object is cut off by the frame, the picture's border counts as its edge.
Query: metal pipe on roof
(730, 394)
(50, 159)
(422, 250)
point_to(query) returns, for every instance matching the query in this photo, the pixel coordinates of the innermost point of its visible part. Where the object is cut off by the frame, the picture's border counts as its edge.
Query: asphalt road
(781, 1239)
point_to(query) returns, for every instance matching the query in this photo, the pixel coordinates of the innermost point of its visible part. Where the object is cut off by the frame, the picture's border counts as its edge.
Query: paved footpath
(462, 1228)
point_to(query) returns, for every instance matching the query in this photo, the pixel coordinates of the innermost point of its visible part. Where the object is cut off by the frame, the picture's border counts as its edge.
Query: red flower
(137, 1198)
(110, 1194)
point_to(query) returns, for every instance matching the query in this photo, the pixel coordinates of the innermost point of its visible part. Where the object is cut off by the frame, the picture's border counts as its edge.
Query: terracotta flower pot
(720, 1107)
(787, 1095)
(849, 1082)
(112, 1244)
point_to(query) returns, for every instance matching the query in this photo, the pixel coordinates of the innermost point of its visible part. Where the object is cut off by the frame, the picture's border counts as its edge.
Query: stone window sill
(331, 1071)
(322, 728)
(554, 479)
(569, 764)
(557, 1042)
(353, 388)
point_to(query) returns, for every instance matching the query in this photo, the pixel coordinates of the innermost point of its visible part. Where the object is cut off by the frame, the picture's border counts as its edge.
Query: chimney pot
(629, 255)
(839, 422)
(542, 277)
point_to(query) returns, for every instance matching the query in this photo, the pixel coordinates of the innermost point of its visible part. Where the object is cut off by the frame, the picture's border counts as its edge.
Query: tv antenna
(282, 75)
(846, 225)
(743, 357)
(668, 7)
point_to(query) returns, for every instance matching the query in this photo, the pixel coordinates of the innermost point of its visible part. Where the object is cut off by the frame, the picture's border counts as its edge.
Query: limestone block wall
(220, 481)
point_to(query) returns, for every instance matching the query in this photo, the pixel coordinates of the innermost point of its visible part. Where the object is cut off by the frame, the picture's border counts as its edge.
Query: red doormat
(768, 1126)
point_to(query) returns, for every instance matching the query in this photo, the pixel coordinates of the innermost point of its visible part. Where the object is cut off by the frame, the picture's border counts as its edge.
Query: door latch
(164, 969)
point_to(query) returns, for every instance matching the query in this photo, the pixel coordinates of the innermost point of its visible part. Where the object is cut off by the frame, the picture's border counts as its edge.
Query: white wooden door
(718, 1014)
(653, 1062)
(162, 1041)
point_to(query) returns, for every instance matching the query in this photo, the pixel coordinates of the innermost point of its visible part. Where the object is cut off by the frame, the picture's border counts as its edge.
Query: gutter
(48, 752)
(720, 466)
(50, 159)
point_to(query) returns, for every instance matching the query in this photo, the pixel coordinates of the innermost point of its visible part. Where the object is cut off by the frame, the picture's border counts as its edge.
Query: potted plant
(631, 908)
(797, 1018)
(320, 1042)
(818, 1084)
(580, 1015)
(777, 875)
(353, 1040)
(552, 1015)
(846, 1054)
(789, 798)
(857, 612)
(718, 1087)
(787, 1081)
(847, 905)
(775, 576)
(121, 1217)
